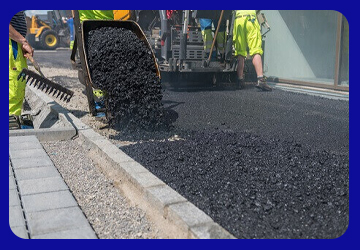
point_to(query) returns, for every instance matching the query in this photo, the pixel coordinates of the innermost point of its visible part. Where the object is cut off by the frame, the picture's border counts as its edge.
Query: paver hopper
(82, 30)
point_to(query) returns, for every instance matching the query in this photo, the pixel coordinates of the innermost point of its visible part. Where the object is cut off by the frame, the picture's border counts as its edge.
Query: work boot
(222, 58)
(240, 83)
(261, 84)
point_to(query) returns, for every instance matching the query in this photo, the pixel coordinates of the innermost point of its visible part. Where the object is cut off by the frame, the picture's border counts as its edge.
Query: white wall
(301, 44)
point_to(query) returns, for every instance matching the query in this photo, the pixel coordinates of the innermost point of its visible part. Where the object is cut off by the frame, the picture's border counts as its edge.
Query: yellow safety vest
(96, 15)
(245, 12)
(16, 87)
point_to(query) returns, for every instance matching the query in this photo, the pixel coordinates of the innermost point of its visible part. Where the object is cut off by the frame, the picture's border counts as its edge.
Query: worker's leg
(240, 72)
(220, 44)
(221, 39)
(257, 62)
(205, 26)
(254, 42)
(16, 87)
(240, 68)
(240, 44)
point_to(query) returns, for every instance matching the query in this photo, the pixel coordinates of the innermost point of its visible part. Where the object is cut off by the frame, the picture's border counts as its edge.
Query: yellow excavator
(48, 34)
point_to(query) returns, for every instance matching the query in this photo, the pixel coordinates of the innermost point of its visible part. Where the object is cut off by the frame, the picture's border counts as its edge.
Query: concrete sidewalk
(41, 205)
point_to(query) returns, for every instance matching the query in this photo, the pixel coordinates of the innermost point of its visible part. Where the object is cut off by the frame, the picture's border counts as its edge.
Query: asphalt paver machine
(176, 38)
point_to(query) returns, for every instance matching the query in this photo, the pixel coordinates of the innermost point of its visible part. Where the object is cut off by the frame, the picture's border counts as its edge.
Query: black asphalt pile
(122, 66)
(255, 186)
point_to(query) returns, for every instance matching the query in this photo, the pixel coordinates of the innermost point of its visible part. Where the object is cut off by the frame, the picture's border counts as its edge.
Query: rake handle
(215, 35)
(36, 65)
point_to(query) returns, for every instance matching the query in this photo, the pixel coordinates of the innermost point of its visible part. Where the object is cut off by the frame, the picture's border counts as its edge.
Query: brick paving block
(133, 167)
(31, 162)
(36, 173)
(12, 184)
(145, 180)
(91, 134)
(13, 198)
(44, 185)
(77, 122)
(106, 148)
(29, 153)
(78, 233)
(21, 139)
(25, 146)
(118, 156)
(47, 201)
(56, 220)
(16, 216)
(161, 196)
(187, 215)
(210, 231)
(20, 232)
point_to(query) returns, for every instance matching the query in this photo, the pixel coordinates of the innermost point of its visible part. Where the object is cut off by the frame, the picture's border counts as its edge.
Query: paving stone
(44, 185)
(25, 146)
(36, 173)
(21, 139)
(56, 220)
(20, 232)
(77, 122)
(46, 134)
(78, 233)
(12, 184)
(186, 215)
(209, 231)
(16, 216)
(47, 201)
(13, 198)
(145, 180)
(106, 148)
(162, 196)
(29, 153)
(31, 162)
(133, 167)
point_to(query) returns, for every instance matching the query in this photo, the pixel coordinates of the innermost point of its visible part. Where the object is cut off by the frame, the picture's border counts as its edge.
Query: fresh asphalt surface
(262, 165)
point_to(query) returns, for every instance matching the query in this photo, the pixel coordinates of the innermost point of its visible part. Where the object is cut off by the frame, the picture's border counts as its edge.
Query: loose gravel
(108, 212)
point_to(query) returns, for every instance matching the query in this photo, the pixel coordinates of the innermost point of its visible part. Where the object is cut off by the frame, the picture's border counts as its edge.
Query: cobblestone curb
(190, 221)
(50, 119)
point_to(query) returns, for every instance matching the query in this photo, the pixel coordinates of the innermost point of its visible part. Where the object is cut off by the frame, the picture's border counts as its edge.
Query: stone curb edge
(173, 207)
(65, 132)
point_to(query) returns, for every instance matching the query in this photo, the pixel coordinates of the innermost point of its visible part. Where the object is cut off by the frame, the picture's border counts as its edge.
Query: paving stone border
(128, 174)
(50, 119)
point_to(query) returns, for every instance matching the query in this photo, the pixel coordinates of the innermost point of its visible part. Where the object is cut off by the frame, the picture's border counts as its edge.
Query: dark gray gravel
(262, 165)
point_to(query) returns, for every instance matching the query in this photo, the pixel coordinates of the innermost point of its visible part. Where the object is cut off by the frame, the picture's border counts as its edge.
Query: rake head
(45, 85)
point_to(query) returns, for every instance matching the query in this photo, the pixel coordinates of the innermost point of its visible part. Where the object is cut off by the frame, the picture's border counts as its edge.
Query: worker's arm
(17, 37)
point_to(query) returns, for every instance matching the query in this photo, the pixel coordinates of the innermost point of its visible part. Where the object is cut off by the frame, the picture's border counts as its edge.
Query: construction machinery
(176, 39)
(48, 32)
(177, 44)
